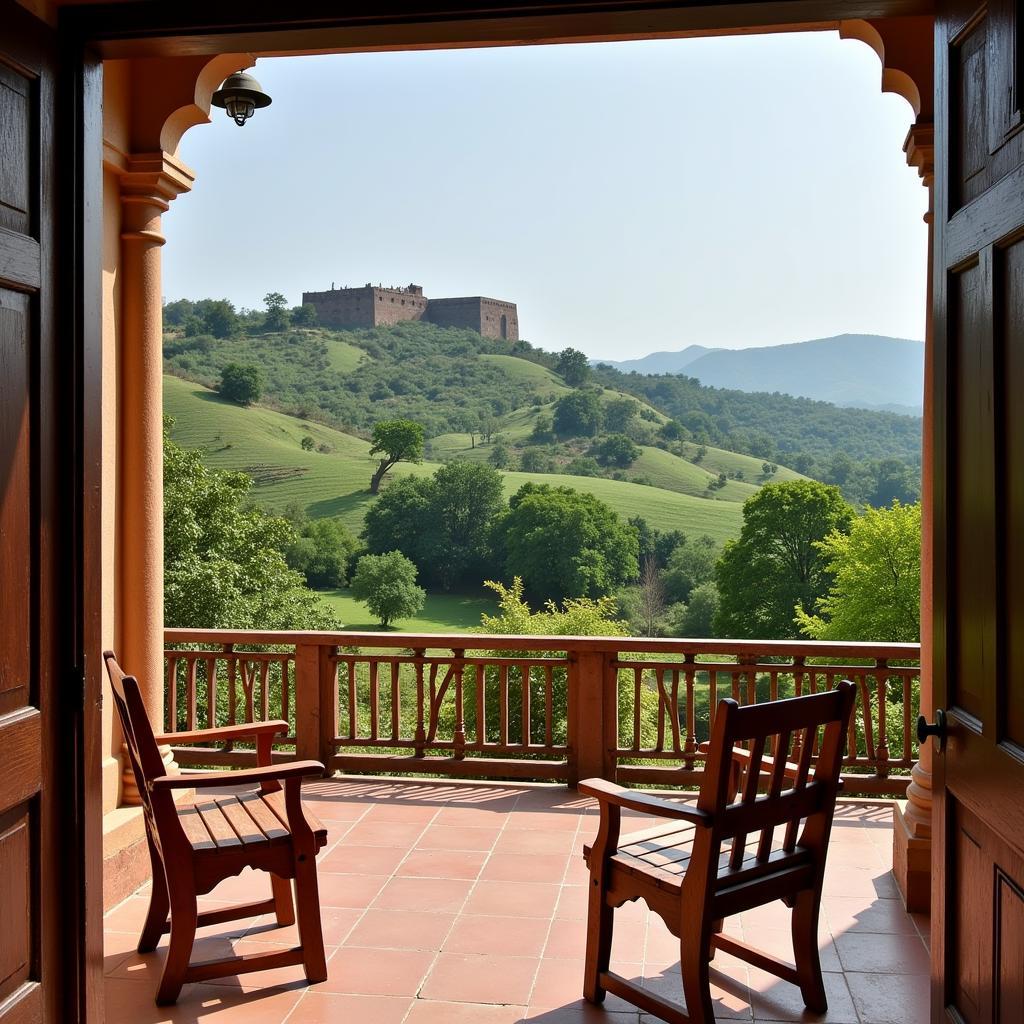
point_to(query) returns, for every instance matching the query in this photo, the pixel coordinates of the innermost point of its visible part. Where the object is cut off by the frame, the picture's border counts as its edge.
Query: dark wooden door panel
(978, 851)
(34, 521)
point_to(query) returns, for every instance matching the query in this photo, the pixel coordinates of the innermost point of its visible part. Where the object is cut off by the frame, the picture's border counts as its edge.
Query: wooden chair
(723, 856)
(195, 844)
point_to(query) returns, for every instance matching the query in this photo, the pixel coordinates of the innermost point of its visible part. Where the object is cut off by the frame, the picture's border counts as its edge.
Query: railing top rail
(579, 644)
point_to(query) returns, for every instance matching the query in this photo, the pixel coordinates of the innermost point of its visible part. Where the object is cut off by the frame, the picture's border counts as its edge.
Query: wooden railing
(525, 707)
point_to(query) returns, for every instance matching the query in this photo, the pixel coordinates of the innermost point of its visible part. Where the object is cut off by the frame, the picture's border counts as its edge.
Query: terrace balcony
(459, 895)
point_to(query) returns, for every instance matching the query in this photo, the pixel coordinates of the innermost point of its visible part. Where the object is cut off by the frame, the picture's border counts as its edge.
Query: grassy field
(334, 482)
(342, 356)
(442, 613)
(540, 378)
(718, 460)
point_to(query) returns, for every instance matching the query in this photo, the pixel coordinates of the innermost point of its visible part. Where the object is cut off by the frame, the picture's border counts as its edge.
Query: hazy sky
(629, 197)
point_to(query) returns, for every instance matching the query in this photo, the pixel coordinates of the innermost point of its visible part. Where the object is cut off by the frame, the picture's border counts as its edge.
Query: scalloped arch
(896, 80)
(198, 112)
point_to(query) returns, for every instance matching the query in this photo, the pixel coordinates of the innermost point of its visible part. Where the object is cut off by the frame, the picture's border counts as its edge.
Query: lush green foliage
(223, 566)
(444, 523)
(616, 450)
(776, 565)
(876, 579)
(322, 549)
(566, 543)
(395, 441)
(688, 566)
(770, 426)
(578, 414)
(573, 366)
(241, 384)
(696, 617)
(386, 584)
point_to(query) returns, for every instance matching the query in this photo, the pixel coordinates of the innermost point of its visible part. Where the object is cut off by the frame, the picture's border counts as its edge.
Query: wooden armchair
(722, 856)
(196, 844)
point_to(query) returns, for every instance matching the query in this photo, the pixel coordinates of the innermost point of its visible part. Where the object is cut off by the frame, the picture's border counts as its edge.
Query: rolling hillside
(333, 481)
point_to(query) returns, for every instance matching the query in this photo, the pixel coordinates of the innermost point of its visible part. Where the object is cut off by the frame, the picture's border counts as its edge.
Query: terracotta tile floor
(465, 904)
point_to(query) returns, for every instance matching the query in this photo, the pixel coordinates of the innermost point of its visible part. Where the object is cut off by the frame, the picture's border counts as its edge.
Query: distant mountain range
(869, 371)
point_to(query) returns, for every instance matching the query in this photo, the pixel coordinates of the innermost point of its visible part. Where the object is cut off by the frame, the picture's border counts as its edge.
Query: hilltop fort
(377, 306)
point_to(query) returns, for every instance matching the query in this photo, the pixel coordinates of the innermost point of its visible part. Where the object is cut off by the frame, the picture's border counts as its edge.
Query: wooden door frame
(90, 33)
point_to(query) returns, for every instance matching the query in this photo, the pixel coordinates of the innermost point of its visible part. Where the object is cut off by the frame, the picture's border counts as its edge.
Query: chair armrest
(619, 796)
(209, 780)
(741, 754)
(225, 732)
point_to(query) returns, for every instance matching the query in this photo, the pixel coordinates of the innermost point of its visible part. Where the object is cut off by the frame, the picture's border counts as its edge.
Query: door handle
(938, 729)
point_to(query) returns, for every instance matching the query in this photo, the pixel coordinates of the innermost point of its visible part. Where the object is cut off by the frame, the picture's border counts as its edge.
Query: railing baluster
(421, 733)
(638, 683)
(460, 725)
(172, 692)
(396, 701)
(524, 671)
(549, 700)
(190, 694)
(374, 700)
(232, 685)
(882, 749)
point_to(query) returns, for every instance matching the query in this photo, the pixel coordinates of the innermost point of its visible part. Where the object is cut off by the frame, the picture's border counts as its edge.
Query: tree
(876, 579)
(397, 441)
(499, 456)
(578, 414)
(321, 551)
(464, 502)
(276, 318)
(696, 618)
(533, 460)
(776, 564)
(394, 522)
(488, 424)
(219, 318)
(444, 523)
(543, 429)
(304, 316)
(573, 367)
(688, 566)
(308, 443)
(223, 561)
(241, 384)
(616, 450)
(895, 481)
(386, 584)
(620, 415)
(652, 597)
(564, 543)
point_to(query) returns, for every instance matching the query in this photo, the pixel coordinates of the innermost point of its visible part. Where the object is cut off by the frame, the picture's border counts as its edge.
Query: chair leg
(805, 950)
(159, 905)
(184, 916)
(694, 960)
(311, 936)
(284, 908)
(600, 922)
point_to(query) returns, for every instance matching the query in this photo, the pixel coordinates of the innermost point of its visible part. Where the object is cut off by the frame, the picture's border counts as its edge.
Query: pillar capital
(149, 183)
(919, 147)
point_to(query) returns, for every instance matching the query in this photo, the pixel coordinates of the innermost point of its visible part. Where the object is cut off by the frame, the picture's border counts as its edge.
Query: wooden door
(978, 865)
(41, 895)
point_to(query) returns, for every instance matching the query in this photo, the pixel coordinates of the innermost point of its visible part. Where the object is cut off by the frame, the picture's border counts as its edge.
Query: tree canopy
(241, 384)
(573, 366)
(564, 543)
(396, 441)
(386, 584)
(444, 523)
(578, 414)
(776, 564)
(875, 592)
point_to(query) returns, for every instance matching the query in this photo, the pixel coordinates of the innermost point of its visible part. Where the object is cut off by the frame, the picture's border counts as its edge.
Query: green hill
(333, 479)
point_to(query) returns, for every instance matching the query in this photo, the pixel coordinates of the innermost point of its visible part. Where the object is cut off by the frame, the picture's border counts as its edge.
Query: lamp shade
(240, 95)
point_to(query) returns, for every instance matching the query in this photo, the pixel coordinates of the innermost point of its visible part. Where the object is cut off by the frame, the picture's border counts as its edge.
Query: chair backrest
(143, 751)
(798, 743)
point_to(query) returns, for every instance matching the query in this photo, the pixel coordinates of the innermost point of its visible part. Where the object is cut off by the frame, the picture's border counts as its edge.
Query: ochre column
(912, 843)
(148, 184)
